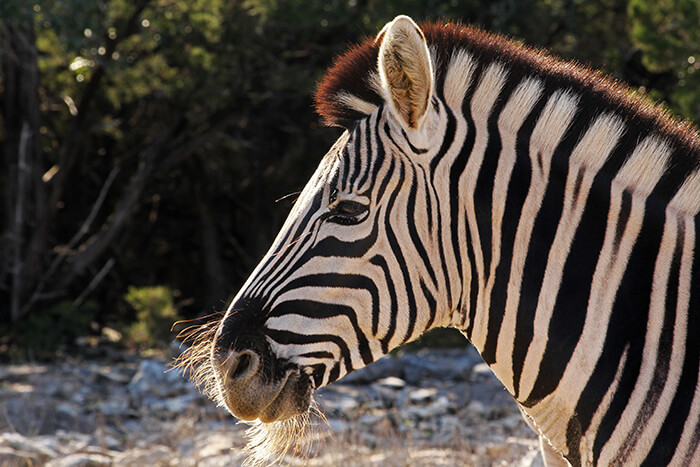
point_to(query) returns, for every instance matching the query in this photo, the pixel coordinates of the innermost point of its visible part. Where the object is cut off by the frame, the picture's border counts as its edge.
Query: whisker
(288, 196)
(292, 243)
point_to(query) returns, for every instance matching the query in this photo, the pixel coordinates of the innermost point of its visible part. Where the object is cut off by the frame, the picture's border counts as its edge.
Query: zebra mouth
(250, 394)
(293, 399)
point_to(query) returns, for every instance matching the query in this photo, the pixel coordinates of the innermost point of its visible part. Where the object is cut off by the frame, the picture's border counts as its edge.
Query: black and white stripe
(534, 206)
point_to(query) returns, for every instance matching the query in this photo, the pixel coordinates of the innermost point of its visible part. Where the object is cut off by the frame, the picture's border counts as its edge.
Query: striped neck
(555, 192)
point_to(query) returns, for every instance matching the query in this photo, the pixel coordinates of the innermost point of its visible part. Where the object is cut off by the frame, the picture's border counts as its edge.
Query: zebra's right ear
(405, 70)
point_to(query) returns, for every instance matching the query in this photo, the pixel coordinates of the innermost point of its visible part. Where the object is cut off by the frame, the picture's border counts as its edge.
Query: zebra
(547, 212)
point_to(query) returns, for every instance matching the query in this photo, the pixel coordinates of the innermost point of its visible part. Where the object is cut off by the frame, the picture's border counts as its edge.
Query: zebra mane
(349, 90)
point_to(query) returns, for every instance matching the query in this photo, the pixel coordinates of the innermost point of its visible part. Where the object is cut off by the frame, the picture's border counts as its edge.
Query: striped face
(334, 289)
(334, 293)
(352, 274)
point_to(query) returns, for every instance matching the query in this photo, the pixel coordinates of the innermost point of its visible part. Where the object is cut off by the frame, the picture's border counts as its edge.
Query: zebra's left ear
(405, 70)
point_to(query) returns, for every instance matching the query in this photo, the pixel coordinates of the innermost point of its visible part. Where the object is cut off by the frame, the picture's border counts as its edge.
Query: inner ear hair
(405, 70)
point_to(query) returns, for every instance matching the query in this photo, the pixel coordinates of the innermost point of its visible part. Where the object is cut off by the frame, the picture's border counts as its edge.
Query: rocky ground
(432, 408)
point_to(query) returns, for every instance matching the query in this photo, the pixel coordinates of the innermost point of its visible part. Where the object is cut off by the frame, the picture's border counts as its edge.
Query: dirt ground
(129, 410)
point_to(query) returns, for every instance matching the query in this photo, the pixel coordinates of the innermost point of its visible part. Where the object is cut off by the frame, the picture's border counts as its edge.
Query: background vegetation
(145, 142)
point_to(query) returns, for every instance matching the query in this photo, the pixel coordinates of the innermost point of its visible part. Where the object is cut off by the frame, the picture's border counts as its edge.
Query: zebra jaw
(250, 392)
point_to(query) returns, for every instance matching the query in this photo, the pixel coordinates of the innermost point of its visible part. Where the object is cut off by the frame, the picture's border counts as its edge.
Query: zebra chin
(255, 385)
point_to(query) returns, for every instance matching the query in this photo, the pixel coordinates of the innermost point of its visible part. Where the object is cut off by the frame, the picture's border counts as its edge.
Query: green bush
(155, 315)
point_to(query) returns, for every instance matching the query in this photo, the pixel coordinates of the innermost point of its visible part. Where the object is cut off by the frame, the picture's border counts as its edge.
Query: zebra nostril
(241, 365)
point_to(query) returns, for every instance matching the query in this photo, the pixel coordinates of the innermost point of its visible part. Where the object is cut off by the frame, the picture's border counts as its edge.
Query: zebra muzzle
(250, 392)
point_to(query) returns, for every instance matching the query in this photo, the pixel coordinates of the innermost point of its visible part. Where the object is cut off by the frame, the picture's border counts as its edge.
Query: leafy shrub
(155, 315)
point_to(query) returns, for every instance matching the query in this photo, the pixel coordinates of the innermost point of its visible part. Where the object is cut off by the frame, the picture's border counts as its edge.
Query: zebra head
(334, 293)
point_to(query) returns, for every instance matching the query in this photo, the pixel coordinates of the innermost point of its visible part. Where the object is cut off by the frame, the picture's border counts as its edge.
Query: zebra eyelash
(345, 211)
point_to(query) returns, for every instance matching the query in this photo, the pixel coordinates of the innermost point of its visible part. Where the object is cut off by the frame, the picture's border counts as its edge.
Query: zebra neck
(510, 133)
(553, 198)
(531, 158)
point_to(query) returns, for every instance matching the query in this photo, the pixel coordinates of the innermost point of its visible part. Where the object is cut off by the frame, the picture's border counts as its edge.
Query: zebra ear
(405, 70)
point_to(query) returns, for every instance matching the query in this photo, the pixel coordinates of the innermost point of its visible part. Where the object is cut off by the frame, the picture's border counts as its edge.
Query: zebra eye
(349, 208)
(347, 212)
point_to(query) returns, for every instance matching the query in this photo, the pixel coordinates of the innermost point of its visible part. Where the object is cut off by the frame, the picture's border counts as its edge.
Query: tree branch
(65, 251)
(98, 243)
(95, 282)
(85, 227)
(22, 157)
(18, 228)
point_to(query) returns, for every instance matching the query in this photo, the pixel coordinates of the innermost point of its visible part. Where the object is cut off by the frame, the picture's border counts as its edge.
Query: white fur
(588, 156)
(353, 102)
(606, 279)
(662, 276)
(549, 130)
(588, 438)
(483, 100)
(459, 76)
(515, 112)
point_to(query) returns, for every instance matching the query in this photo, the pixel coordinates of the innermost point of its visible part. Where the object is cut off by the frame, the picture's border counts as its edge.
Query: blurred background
(148, 145)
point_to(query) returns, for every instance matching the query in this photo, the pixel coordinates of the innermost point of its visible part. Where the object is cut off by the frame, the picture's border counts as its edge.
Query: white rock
(392, 382)
(422, 395)
(42, 447)
(81, 460)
